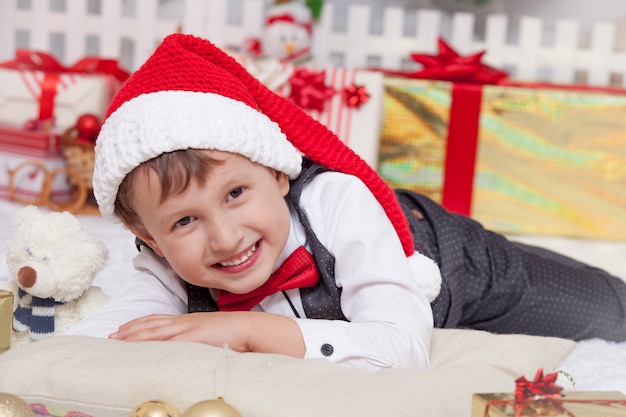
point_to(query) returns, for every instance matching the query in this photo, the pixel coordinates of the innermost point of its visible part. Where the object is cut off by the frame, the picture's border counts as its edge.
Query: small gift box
(541, 397)
(519, 158)
(346, 101)
(571, 404)
(35, 86)
(6, 319)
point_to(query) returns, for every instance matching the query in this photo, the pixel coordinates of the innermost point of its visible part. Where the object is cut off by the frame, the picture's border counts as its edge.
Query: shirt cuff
(362, 346)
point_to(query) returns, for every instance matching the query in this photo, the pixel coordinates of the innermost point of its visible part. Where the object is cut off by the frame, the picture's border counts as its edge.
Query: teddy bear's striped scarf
(34, 314)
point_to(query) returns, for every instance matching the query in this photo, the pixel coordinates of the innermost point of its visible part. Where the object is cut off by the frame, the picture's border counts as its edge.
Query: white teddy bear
(53, 263)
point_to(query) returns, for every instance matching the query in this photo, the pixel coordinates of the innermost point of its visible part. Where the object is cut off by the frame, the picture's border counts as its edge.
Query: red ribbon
(461, 145)
(468, 74)
(29, 60)
(26, 59)
(298, 271)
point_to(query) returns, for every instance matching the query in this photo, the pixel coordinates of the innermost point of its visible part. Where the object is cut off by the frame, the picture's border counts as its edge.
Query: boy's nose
(224, 236)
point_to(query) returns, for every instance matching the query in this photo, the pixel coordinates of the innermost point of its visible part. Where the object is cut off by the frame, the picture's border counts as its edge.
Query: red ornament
(87, 128)
(308, 89)
(355, 95)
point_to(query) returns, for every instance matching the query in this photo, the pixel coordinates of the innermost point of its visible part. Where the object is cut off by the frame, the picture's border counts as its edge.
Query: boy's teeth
(240, 260)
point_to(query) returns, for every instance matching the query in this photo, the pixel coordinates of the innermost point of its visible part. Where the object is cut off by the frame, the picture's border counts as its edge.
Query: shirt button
(327, 349)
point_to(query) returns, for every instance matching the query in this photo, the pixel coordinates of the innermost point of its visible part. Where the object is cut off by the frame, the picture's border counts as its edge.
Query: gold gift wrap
(549, 161)
(570, 403)
(6, 319)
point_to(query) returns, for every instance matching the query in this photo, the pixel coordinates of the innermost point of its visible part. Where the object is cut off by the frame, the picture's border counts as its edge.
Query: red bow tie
(297, 271)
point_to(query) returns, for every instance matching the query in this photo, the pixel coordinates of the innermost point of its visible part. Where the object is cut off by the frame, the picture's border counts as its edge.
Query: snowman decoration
(287, 32)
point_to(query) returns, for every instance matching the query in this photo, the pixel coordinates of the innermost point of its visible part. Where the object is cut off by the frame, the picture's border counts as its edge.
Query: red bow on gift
(308, 89)
(540, 386)
(26, 59)
(448, 65)
(355, 95)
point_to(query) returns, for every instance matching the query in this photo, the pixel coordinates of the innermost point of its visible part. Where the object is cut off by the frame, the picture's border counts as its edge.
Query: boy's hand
(242, 331)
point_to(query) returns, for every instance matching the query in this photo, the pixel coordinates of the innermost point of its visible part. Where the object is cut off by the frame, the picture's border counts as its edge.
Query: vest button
(327, 349)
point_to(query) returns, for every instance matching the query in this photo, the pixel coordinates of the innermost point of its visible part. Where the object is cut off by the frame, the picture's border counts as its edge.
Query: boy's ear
(283, 182)
(142, 233)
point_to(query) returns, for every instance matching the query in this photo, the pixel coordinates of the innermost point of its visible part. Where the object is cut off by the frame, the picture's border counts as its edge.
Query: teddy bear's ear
(22, 218)
(26, 214)
(93, 253)
(99, 255)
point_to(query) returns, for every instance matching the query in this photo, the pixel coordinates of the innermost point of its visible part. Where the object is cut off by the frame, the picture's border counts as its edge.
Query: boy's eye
(184, 221)
(235, 193)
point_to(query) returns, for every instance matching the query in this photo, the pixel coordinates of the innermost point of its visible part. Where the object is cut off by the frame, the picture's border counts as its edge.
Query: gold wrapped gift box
(548, 160)
(570, 403)
(6, 319)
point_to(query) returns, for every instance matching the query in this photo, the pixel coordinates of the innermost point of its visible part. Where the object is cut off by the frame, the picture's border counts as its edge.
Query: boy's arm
(273, 333)
(242, 331)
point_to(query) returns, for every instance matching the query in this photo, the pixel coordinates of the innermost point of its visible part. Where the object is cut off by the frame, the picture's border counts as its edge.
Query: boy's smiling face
(224, 234)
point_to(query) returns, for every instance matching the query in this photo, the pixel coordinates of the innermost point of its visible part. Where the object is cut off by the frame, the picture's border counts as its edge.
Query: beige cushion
(110, 378)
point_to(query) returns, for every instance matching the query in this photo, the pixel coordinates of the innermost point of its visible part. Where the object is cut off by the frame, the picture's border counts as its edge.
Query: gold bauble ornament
(13, 406)
(155, 408)
(212, 408)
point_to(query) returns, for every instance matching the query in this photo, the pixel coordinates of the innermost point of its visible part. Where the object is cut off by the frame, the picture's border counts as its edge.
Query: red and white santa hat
(191, 94)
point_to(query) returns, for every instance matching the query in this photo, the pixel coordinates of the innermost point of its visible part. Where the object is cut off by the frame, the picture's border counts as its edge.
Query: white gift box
(22, 96)
(36, 87)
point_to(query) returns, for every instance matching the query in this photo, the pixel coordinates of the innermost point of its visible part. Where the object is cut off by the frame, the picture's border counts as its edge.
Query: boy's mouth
(243, 258)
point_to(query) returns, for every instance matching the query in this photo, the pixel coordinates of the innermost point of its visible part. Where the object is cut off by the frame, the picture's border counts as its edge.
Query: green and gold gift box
(518, 157)
(6, 318)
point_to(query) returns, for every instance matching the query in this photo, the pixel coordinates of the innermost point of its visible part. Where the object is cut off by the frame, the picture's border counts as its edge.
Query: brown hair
(174, 170)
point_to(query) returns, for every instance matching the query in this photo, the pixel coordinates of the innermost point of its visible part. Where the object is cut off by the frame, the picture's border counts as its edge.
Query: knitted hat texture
(191, 94)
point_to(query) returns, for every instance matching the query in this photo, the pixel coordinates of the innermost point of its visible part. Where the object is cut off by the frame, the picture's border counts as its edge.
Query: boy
(308, 257)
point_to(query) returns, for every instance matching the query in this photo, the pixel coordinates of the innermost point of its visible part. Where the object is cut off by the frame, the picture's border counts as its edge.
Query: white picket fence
(112, 32)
